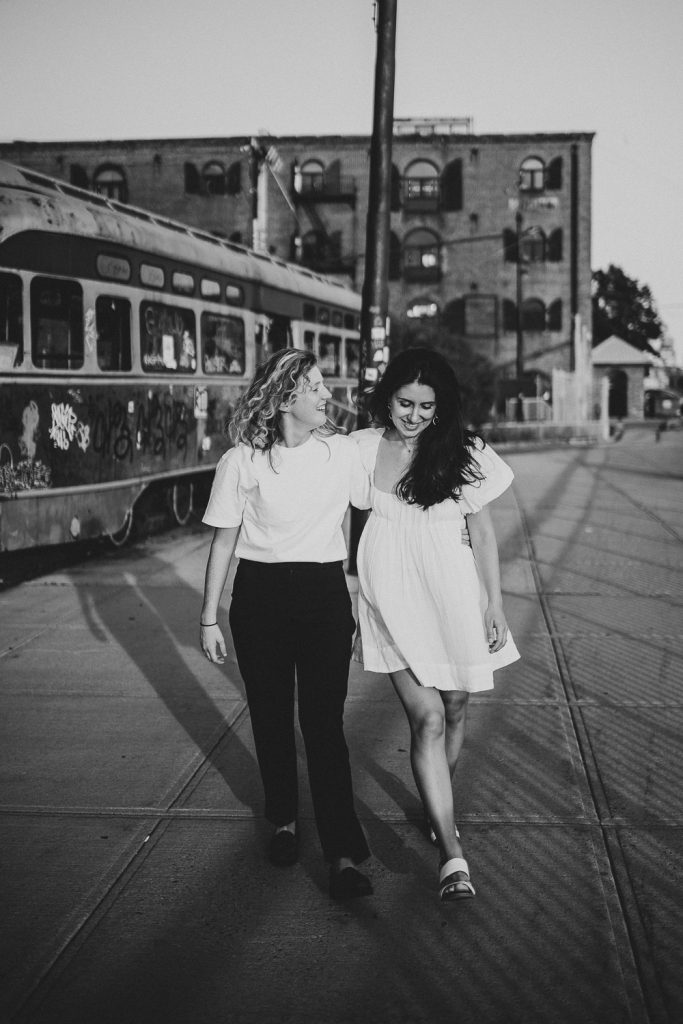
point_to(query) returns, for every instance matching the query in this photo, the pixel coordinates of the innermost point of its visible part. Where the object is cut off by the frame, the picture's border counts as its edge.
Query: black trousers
(292, 624)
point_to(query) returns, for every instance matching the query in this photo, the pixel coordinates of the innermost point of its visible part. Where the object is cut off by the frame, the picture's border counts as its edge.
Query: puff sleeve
(367, 443)
(497, 477)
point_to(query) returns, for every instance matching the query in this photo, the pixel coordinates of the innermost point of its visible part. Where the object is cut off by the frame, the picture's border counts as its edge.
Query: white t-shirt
(292, 512)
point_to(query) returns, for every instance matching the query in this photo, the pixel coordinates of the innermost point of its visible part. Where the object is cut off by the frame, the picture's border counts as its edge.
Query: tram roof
(65, 209)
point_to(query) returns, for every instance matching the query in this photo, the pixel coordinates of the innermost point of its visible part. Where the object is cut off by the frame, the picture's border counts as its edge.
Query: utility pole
(519, 360)
(375, 299)
(375, 296)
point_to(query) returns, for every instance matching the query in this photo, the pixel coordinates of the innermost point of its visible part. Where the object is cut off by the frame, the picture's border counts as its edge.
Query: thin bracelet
(207, 624)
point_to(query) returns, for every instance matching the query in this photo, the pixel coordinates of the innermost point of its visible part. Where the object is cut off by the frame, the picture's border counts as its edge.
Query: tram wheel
(120, 537)
(182, 499)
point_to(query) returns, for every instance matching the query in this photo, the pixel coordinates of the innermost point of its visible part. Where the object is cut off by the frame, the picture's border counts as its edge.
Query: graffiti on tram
(65, 437)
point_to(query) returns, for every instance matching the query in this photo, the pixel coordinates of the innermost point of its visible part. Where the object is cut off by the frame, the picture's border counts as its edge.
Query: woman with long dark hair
(278, 503)
(430, 607)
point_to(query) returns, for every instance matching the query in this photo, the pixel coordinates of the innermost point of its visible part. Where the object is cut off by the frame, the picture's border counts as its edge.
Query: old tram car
(125, 340)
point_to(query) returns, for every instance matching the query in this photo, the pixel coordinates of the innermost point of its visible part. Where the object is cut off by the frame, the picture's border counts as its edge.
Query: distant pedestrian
(661, 427)
(278, 502)
(430, 607)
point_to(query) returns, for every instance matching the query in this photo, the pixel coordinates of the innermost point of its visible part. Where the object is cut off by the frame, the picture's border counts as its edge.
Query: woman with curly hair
(278, 503)
(429, 605)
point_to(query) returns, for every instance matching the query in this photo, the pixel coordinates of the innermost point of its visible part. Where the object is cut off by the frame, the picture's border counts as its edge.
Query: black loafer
(284, 848)
(348, 883)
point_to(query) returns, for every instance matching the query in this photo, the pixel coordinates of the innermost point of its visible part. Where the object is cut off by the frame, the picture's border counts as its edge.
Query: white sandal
(451, 888)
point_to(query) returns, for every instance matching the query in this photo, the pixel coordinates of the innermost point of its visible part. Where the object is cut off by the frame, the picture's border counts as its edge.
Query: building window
(423, 308)
(112, 317)
(532, 175)
(213, 176)
(421, 186)
(110, 181)
(533, 316)
(312, 178)
(422, 256)
(533, 245)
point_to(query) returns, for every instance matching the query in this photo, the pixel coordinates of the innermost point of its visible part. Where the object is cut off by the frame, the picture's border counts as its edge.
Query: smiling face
(306, 407)
(412, 408)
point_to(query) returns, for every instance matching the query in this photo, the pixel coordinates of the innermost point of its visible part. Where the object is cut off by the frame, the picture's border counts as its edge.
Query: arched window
(533, 245)
(422, 256)
(312, 177)
(532, 175)
(213, 176)
(109, 180)
(423, 308)
(451, 186)
(533, 316)
(421, 186)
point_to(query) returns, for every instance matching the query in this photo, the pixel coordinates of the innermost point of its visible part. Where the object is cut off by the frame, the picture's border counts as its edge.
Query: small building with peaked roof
(626, 367)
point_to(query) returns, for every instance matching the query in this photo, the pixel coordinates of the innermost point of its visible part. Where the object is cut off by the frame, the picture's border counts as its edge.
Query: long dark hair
(443, 459)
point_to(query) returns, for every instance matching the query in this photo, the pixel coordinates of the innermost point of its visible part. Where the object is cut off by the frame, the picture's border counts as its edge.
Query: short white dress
(421, 602)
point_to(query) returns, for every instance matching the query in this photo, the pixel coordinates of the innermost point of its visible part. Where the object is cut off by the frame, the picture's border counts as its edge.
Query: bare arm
(211, 638)
(485, 550)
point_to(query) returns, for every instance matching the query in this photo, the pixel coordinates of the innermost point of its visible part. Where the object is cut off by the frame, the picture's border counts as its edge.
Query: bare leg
(427, 718)
(455, 703)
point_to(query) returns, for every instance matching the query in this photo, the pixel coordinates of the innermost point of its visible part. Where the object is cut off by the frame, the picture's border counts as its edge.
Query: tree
(626, 308)
(475, 373)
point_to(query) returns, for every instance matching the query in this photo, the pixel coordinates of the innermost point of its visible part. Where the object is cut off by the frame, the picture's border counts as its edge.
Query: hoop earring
(435, 420)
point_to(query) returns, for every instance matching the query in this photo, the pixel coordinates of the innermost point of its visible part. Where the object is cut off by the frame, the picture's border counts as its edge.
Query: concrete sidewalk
(134, 884)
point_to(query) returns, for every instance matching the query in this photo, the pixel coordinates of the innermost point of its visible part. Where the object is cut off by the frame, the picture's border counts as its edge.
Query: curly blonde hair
(256, 420)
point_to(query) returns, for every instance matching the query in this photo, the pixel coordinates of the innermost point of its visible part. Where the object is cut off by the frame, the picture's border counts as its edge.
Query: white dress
(421, 602)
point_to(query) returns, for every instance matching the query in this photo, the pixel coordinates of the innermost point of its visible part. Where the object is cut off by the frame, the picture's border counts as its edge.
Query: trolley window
(266, 341)
(151, 276)
(309, 312)
(11, 322)
(113, 268)
(336, 318)
(56, 324)
(309, 341)
(234, 294)
(181, 283)
(167, 338)
(352, 354)
(329, 346)
(350, 322)
(112, 316)
(210, 289)
(222, 344)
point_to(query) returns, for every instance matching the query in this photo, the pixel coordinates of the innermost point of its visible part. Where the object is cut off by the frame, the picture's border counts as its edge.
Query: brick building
(465, 208)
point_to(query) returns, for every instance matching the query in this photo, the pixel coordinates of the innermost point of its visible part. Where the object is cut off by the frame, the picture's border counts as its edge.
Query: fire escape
(321, 248)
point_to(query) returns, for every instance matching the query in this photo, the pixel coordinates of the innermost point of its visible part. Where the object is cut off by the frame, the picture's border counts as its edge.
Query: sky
(132, 69)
